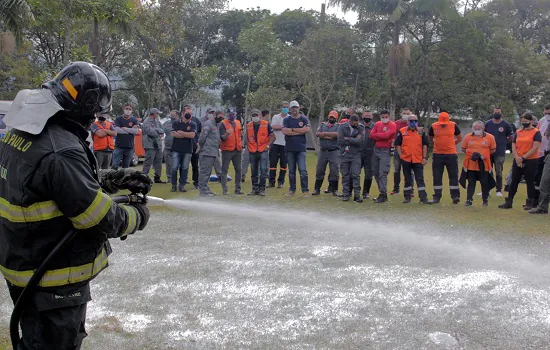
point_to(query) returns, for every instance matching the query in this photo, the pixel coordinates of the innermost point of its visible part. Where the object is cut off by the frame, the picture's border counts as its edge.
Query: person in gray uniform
(349, 141)
(209, 145)
(152, 132)
(328, 155)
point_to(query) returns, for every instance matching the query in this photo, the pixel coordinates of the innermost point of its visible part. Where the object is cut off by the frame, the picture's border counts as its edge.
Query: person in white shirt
(277, 153)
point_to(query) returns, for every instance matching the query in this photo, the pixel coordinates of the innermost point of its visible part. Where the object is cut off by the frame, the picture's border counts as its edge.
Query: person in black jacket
(349, 141)
(50, 185)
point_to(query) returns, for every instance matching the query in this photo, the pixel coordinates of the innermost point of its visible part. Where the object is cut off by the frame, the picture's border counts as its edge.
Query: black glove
(125, 179)
(143, 215)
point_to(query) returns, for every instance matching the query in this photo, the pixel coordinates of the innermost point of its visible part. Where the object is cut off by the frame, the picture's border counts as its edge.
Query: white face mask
(255, 119)
(127, 112)
(405, 117)
(385, 120)
(478, 132)
(547, 116)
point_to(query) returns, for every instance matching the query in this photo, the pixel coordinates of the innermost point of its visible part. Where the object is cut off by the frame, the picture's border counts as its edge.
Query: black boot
(317, 190)
(507, 205)
(329, 188)
(357, 199)
(435, 200)
(158, 180)
(383, 197)
(335, 188)
(396, 183)
(528, 204)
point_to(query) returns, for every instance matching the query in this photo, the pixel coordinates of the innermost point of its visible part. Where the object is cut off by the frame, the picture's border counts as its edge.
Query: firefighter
(445, 135)
(399, 124)
(103, 133)
(328, 137)
(412, 147)
(51, 185)
(209, 145)
(260, 137)
(349, 141)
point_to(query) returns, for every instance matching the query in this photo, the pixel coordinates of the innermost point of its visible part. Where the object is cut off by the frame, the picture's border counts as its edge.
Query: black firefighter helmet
(82, 89)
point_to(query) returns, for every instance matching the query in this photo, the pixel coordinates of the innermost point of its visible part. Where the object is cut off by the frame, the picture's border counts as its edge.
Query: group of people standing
(273, 145)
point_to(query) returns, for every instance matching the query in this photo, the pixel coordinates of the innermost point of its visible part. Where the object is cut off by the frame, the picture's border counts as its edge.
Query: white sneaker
(499, 194)
(479, 194)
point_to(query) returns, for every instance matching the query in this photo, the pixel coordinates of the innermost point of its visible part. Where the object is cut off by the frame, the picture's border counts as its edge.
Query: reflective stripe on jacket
(49, 186)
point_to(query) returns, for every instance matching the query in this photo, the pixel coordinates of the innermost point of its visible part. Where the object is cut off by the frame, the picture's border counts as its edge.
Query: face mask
(231, 117)
(413, 124)
(385, 120)
(285, 110)
(348, 115)
(547, 116)
(127, 112)
(219, 119)
(332, 121)
(525, 125)
(255, 119)
(367, 120)
(497, 116)
(354, 126)
(101, 119)
(478, 132)
(405, 117)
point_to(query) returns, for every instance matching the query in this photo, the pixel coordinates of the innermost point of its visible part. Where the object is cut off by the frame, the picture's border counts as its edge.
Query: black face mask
(525, 125)
(497, 116)
(367, 120)
(348, 115)
(354, 126)
(332, 121)
(187, 116)
(101, 119)
(219, 119)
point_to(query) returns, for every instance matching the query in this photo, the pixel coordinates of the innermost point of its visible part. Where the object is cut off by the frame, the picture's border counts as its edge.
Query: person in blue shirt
(295, 127)
(126, 127)
(502, 132)
(184, 131)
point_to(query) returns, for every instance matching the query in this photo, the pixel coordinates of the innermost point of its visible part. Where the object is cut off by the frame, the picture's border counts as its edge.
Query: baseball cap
(210, 110)
(232, 110)
(333, 114)
(255, 111)
(154, 111)
(294, 104)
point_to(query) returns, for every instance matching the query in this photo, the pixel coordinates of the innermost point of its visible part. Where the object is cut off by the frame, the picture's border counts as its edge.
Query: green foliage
(15, 16)
(17, 72)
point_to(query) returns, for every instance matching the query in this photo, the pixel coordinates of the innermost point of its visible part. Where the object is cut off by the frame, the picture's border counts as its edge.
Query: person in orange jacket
(231, 134)
(103, 134)
(445, 135)
(525, 148)
(260, 137)
(478, 147)
(412, 148)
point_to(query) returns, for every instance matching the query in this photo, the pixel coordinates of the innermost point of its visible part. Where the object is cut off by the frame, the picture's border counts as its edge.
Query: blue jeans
(124, 154)
(180, 161)
(297, 158)
(259, 170)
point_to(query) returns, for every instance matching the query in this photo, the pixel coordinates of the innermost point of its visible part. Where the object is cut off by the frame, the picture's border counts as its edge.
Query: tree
(15, 16)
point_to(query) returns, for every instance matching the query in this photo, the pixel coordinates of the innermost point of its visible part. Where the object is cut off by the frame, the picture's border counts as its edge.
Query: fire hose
(30, 288)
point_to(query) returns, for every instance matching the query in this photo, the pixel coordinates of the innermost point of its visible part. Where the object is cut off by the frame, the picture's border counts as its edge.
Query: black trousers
(528, 171)
(195, 167)
(53, 319)
(473, 178)
(440, 162)
(418, 170)
(277, 155)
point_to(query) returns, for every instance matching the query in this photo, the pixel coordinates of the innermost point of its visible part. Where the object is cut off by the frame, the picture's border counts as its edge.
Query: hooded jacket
(152, 131)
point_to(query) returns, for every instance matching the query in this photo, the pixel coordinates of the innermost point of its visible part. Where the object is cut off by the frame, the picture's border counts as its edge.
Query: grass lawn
(446, 215)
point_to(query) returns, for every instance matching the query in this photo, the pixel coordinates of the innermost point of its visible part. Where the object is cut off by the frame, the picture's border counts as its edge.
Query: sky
(278, 6)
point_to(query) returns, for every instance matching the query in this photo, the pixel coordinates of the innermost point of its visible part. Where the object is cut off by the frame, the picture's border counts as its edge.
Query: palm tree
(393, 16)
(15, 15)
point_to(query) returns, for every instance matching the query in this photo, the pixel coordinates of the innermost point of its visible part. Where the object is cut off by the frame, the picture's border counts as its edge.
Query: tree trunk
(394, 74)
(67, 37)
(95, 47)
